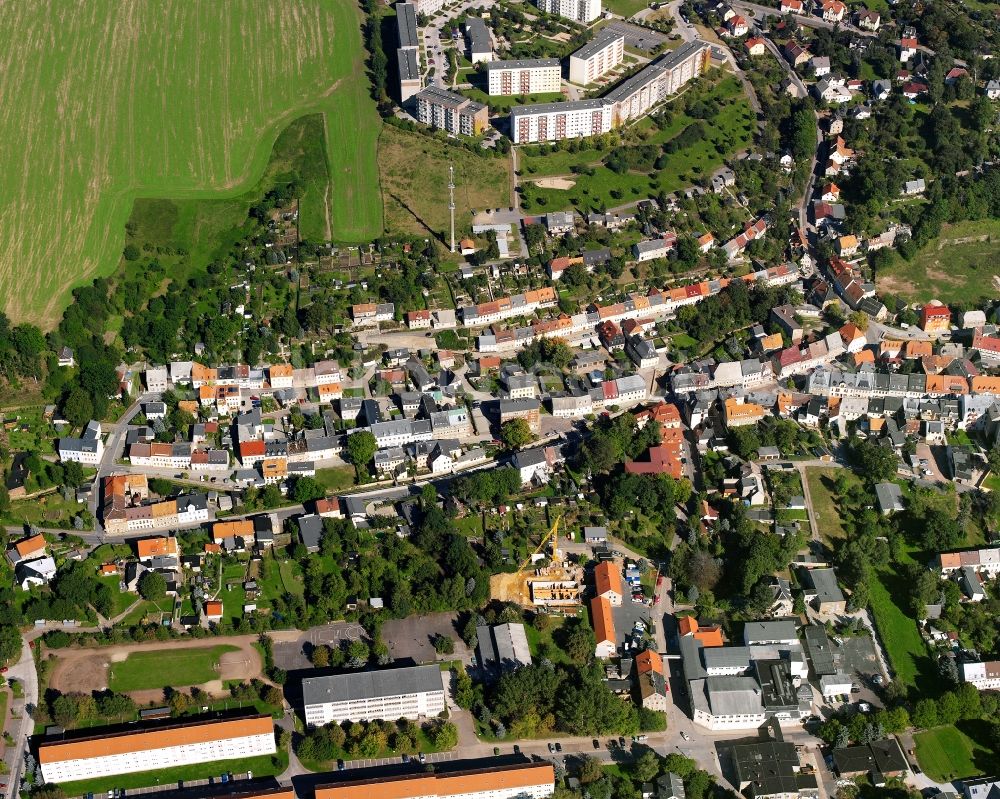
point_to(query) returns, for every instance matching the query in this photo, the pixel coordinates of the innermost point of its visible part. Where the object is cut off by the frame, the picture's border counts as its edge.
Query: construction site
(556, 584)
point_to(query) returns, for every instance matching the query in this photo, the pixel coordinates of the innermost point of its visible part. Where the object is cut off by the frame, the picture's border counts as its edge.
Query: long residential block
(517, 781)
(631, 99)
(413, 692)
(159, 747)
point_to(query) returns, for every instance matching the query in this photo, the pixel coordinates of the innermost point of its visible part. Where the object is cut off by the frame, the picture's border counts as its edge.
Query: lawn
(336, 479)
(959, 266)
(105, 103)
(625, 7)
(948, 753)
(414, 173)
(263, 766)
(905, 648)
(729, 131)
(821, 488)
(162, 668)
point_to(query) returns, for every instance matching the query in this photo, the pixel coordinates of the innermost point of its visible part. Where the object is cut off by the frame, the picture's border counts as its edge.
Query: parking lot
(637, 37)
(435, 757)
(294, 654)
(413, 638)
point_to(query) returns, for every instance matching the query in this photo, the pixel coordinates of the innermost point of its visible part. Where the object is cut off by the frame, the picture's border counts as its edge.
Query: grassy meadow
(107, 102)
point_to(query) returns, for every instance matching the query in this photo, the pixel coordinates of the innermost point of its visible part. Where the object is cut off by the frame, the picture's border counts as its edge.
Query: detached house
(834, 10)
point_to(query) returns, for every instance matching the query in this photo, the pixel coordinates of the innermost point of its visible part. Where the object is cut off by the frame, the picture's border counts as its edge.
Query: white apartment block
(600, 55)
(428, 7)
(520, 781)
(525, 76)
(577, 10)
(413, 692)
(985, 676)
(161, 747)
(555, 121)
(633, 98)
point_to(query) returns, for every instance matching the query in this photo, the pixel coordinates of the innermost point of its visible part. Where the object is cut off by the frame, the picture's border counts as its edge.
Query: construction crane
(553, 533)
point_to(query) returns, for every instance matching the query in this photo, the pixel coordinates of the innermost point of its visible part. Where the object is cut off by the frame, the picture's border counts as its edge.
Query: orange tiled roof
(441, 785)
(647, 661)
(213, 608)
(29, 545)
(150, 547)
(986, 384)
(600, 614)
(607, 578)
(280, 370)
(243, 528)
(147, 740)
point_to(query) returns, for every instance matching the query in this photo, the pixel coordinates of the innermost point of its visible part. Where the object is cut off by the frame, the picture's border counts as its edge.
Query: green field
(414, 173)
(625, 7)
(952, 268)
(107, 102)
(166, 668)
(905, 648)
(728, 132)
(821, 487)
(948, 753)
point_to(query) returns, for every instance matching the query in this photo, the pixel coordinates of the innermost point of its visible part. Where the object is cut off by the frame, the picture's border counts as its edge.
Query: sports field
(105, 102)
(174, 668)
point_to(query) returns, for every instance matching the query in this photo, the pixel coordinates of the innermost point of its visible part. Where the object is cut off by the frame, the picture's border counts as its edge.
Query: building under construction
(557, 585)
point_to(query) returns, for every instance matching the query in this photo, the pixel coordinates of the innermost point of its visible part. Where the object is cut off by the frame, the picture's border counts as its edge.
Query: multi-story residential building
(935, 318)
(597, 57)
(505, 307)
(280, 375)
(556, 121)
(518, 781)
(651, 249)
(153, 747)
(528, 409)
(451, 112)
(480, 44)
(370, 313)
(738, 414)
(164, 456)
(603, 623)
(523, 76)
(157, 380)
(428, 7)
(571, 406)
(608, 582)
(88, 449)
(661, 79)
(121, 516)
(584, 11)
(412, 692)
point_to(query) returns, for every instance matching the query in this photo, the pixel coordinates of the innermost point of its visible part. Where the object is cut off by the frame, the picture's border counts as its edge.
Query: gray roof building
(370, 684)
(503, 647)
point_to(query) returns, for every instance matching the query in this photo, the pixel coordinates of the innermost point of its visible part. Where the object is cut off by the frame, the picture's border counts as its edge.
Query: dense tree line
(735, 307)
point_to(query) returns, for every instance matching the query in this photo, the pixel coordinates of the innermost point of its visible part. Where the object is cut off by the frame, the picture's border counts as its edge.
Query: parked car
(597, 744)
(340, 765)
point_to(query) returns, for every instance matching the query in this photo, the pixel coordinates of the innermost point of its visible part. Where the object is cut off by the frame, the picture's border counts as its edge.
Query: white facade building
(576, 10)
(555, 121)
(88, 449)
(985, 676)
(600, 55)
(162, 747)
(524, 76)
(412, 693)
